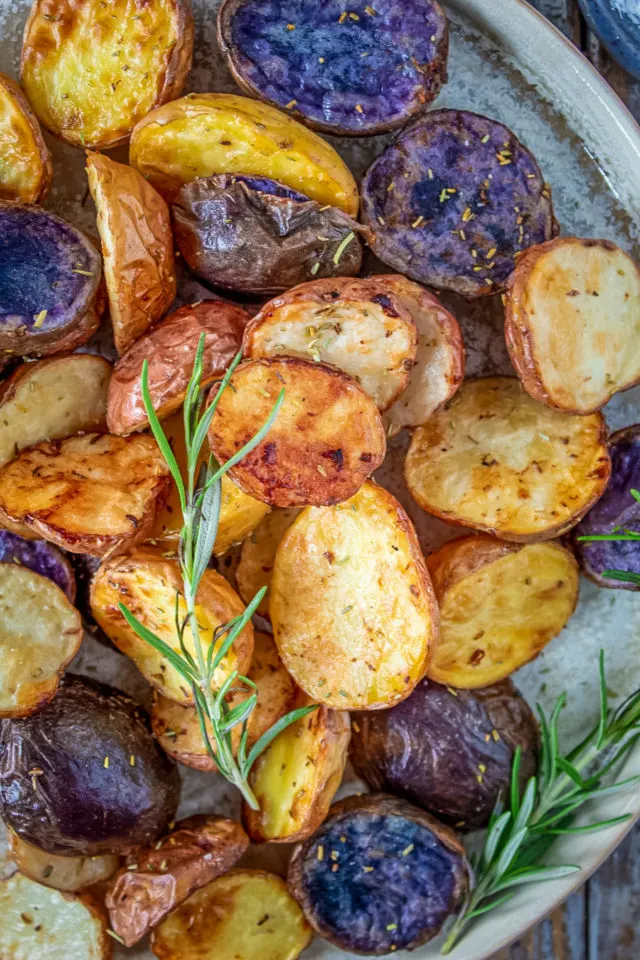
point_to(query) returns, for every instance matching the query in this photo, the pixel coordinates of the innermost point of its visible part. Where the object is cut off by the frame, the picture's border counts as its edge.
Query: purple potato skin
(419, 876)
(616, 508)
(348, 72)
(77, 805)
(40, 556)
(450, 752)
(499, 206)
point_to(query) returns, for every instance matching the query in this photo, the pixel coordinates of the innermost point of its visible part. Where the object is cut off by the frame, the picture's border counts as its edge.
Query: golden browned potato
(208, 133)
(327, 437)
(69, 874)
(353, 611)
(500, 605)
(25, 162)
(92, 70)
(258, 554)
(147, 583)
(137, 247)
(498, 461)
(572, 322)
(94, 493)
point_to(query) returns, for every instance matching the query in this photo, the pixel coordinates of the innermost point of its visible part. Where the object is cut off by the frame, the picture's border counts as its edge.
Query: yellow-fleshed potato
(61, 873)
(360, 326)
(572, 322)
(207, 133)
(25, 162)
(245, 913)
(296, 778)
(92, 70)
(500, 605)
(134, 224)
(495, 459)
(354, 614)
(148, 583)
(327, 437)
(51, 399)
(94, 494)
(258, 554)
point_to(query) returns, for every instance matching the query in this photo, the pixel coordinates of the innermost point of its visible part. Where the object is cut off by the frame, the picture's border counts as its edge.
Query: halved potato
(353, 611)
(245, 913)
(51, 399)
(69, 874)
(149, 585)
(92, 70)
(207, 133)
(500, 605)
(496, 460)
(258, 554)
(90, 494)
(572, 322)
(40, 633)
(25, 162)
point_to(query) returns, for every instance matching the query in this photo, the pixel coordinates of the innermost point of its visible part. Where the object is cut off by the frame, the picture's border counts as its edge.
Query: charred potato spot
(41, 557)
(259, 553)
(25, 163)
(69, 874)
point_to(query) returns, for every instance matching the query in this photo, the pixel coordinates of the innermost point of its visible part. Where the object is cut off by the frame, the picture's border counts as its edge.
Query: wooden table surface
(602, 920)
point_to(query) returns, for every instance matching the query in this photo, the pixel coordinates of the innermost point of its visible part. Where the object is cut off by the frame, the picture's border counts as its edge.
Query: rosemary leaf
(176, 661)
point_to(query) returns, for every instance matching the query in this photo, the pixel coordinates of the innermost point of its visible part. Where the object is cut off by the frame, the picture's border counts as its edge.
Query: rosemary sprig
(524, 826)
(626, 576)
(199, 493)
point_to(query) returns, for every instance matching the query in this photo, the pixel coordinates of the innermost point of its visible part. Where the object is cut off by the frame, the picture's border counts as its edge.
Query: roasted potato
(327, 437)
(94, 494)
(379, 875)
(246, 913)
(258, 554)
(170, 350)
(572, 322)
(360, 326)
(353, 611)
(496, 460)
(25, 162)
(137, 247)
(207, 133)
(106, 786)
(92, 70)
(69, 874)
(157, 880)
(41, 557)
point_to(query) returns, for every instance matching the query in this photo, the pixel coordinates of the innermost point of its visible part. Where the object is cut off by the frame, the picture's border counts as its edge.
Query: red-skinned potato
(25, 162)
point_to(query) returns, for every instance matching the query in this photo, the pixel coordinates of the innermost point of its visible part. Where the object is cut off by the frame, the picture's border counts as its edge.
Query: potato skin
(69, 874)
(27, 169)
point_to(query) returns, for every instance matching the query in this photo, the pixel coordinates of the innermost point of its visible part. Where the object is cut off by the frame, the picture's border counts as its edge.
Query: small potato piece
(25, 162)
(72, 64)
(353, 611)
(360, 326)
(572, 322)
(207, 133)
(69, 874)
(246, 913)
(90, 494)
(258, 554)
(41, 557)
(327, 437)
(498, 461)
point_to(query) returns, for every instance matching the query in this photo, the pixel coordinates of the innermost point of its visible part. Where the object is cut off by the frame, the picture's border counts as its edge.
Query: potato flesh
(23, 170)
(258, 555)
(62, 873)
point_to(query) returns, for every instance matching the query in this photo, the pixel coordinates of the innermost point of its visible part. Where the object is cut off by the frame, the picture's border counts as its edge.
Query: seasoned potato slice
(246, 913)
(25, 162)
(92, 70)
(496, 460)
(207, 133)
(258, 554)
(90, 494)
(500, 604)
(353, 611)
(572, 322)
(326, 440)
(147, 584)
(61, 873)
(42, 558)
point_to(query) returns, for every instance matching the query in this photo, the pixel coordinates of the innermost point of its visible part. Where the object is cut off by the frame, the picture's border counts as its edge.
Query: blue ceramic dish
(617, 24)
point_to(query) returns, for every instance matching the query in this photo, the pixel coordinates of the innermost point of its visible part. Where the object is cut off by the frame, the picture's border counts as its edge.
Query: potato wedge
(500, 605)
(246, 913)
(137, 247)
(92, 70)
(51, 399)
(90, 494)
(147, 584)
(498, 461)
(353, 611)
(360, 326)
(207, 133)
(25, 162)
(327, 437)
(258, 555)
(40, 633)
(68, 874)
(572, 322)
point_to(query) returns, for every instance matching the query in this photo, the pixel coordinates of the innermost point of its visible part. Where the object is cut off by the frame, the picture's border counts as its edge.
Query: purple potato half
(357, 71)
(453, 201)
(40, 556)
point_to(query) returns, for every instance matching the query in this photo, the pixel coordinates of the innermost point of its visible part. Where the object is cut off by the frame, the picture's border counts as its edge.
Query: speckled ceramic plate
(507, 62)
